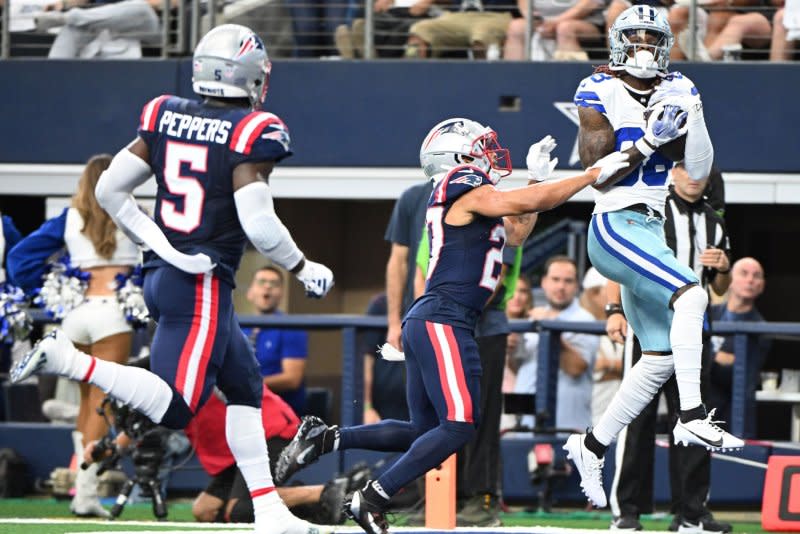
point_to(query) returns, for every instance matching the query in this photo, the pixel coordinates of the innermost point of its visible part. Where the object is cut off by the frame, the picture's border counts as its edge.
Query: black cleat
(367, 515)
(304, 449)
(331, 502)
(626, 522)
(704, 525)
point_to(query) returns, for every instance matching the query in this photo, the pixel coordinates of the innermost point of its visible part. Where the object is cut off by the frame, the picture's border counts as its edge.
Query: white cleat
(279, 520)
(52, 355)
(705, 433)
(590, 467)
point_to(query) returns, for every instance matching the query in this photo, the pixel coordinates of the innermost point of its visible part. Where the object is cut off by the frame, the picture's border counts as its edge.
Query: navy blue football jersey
(465, 261)
(194, 148)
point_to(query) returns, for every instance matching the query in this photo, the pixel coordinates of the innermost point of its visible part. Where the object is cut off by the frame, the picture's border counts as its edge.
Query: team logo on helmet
(252, 42)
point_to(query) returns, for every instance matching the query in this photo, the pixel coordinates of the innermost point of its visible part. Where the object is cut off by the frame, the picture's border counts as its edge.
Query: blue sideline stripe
(626, 261)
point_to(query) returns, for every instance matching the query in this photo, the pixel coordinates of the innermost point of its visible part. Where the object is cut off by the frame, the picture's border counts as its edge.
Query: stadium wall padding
(346, 113)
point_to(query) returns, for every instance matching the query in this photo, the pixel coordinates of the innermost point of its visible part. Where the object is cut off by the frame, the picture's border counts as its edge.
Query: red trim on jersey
(459, 371)
(261, 492)
(437, 348)
(211, 335)
(90, 371)
(191, 339)
(256, 116)
(152, 108)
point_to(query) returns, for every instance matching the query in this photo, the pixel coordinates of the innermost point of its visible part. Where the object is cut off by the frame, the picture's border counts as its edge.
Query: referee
(695, 231)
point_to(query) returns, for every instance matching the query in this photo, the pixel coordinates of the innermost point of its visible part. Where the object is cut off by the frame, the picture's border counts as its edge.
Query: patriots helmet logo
(251, 42)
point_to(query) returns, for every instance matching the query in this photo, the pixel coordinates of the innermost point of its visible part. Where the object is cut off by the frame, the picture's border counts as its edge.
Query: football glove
(609, 165)
(665, 122)
(540, 166)
(316, 278)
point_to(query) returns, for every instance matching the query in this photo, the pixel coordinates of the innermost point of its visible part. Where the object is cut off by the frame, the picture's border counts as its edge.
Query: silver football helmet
(640, 40)
(231, 61)
(459, 141)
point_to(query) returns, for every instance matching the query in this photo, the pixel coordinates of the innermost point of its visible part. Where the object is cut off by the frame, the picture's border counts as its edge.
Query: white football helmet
(231, 61)
(460, 141)
(640, 40)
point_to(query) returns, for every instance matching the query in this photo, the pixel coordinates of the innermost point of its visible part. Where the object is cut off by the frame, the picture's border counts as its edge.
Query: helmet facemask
(640, 41)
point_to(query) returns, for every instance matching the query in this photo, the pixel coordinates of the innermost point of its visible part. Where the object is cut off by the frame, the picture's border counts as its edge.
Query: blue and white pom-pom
(130, 296)
(63, 289)
(15, 323)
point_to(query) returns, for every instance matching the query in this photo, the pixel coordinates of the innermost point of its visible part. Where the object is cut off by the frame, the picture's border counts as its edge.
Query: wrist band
(644, 147)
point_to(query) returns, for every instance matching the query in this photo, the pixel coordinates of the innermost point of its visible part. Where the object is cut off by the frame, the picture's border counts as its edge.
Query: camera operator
(226, 498)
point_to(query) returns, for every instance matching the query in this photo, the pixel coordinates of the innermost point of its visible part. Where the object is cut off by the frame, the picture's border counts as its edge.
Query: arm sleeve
(699, 152)
(265, 230)
(27, 260)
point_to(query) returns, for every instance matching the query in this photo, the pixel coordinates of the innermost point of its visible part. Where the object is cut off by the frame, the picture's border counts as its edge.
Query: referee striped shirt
(692, 227)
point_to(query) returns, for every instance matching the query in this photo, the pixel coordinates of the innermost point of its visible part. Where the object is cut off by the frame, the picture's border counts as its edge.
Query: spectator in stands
(747, 284)
(578, 351)
(608, 364)
(478, 27)
(98, 325)
(314, 23)
(281, 352)
(391, 22)
(785, 31)
(561, 29)
(723, 26)
(696, 234)
(384, 381)
(95, 28)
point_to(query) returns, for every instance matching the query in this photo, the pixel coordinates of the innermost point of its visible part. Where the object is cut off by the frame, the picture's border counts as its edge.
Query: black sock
(595, 446)
(330, 440)
(699, 412)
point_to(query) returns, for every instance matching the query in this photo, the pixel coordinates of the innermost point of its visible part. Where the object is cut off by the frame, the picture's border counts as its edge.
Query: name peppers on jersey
(194, 148)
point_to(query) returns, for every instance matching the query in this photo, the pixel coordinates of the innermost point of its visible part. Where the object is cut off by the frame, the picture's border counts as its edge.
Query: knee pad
(693, 300)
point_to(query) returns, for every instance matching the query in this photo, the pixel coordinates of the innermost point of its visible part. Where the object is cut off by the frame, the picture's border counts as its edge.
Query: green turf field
(139, 518)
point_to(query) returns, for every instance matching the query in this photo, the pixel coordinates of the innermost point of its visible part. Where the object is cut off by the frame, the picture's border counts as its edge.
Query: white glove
(609, 165)
(540, 166)
(316, 278)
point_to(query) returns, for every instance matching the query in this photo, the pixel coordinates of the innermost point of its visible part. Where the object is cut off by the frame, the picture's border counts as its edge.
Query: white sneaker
(52, 355)
(277, 519)
(706, 433)
(590, 467)
(86, 503)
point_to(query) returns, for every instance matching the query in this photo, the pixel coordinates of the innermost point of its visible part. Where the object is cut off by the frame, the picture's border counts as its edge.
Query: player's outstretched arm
(489, 202)
(128, 170)
(267, 232)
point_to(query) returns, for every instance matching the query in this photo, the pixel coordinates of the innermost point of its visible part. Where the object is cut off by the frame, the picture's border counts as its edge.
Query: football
(674, 150)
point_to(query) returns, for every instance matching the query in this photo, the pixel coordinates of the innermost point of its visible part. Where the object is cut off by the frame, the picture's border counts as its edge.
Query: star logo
(570, 111)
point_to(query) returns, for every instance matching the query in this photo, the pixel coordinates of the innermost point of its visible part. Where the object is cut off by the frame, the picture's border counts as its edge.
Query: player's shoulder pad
(594, 91)
(680, 82)
(458, 181)
(258, 132)
(148, 120)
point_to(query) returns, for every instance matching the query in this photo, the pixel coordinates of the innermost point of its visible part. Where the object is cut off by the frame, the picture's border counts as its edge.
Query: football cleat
(626, 522)
(705, 433)
(704, 525)
(590, 467)
(51, 355)
(304, 449)
(367, 515)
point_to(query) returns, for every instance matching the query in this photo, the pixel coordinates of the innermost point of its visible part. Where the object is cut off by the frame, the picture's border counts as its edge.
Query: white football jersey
(624, 109)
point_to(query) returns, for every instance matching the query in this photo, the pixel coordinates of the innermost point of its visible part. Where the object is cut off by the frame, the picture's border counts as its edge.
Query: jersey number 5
(187, 187)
